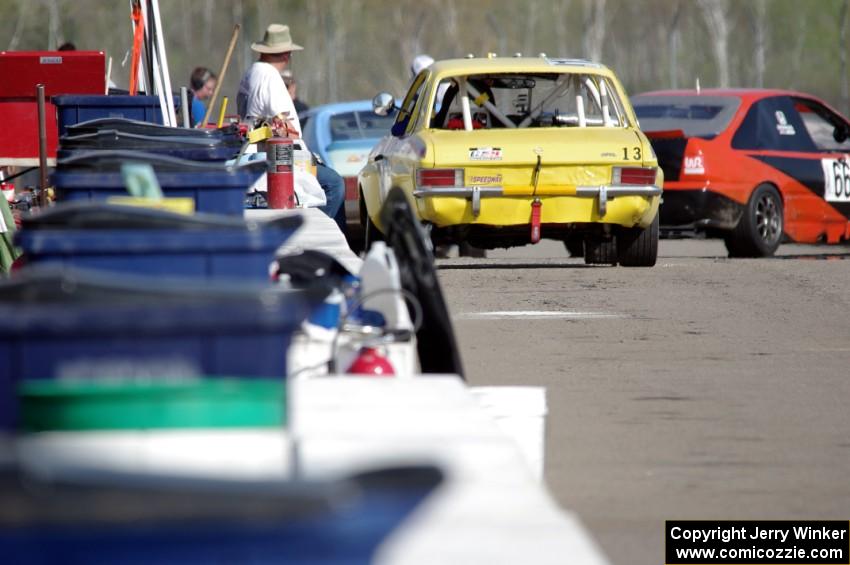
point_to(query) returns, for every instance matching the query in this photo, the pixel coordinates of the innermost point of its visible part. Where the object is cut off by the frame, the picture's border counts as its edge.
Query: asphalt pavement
(701, 388)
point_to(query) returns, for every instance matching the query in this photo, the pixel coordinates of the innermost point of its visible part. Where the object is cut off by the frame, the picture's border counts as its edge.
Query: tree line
(355, 48)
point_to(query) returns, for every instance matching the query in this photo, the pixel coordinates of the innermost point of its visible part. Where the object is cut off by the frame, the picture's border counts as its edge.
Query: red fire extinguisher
(281, 180)
(371, 362)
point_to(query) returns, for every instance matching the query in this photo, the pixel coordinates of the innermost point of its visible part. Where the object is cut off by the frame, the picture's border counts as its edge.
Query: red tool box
(61, 72)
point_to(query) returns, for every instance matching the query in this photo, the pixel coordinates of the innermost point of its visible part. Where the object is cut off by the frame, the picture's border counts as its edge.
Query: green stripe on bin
(115, 405)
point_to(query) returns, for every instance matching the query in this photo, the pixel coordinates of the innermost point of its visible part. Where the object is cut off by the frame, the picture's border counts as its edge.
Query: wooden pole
(220, 121)
(184, 106)
(221, 73)
(42, 144)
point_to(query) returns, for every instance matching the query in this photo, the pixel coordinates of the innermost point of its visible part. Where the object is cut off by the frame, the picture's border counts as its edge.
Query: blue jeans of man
(334, 188)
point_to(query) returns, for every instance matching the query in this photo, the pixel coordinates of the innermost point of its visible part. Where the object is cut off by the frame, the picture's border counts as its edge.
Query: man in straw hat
(263, 96)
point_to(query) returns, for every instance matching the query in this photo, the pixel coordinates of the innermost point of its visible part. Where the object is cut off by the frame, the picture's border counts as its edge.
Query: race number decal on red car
(836, 177)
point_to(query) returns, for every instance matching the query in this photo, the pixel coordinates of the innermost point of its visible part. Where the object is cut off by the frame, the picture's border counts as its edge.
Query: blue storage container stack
(98, 134)
(75, 108)
(340, 522)
(114, 295)
(78, 325)
(214, 187)
(149, 242)
(114, 291)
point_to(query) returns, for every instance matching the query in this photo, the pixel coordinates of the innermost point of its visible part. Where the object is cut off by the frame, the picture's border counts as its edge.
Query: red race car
(750, 165)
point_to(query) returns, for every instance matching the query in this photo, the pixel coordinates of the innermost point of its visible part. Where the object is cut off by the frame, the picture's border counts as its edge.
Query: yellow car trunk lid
(569, 157)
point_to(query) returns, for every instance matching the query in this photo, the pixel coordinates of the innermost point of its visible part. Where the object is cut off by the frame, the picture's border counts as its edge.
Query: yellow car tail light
(634, 175)
(439, 178)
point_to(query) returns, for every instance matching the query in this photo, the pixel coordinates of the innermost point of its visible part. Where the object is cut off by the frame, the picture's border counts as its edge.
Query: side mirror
(383, 104)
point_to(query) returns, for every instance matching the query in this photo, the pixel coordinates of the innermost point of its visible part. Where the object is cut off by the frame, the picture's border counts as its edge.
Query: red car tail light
(442, 178)
(634, 175)
(351, 192)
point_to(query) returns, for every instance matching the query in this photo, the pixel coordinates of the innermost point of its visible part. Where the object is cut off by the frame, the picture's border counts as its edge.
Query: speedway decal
(484, 179)
(485, 153)
(836, 180)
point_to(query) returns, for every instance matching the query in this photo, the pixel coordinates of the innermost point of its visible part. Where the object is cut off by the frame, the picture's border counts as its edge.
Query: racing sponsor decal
(807, 172)
(484, 179)
(485, 153)
(694, 165)
(810, 173)
(782, 125)
(836, 180)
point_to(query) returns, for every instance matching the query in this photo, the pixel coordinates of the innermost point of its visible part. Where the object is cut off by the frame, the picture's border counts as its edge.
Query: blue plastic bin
(73, 109)
(77, 325)
(215, 188)
(150, 242)
(157, 520)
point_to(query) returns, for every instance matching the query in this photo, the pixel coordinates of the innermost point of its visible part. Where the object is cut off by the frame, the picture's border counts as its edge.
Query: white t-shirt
(262, 94)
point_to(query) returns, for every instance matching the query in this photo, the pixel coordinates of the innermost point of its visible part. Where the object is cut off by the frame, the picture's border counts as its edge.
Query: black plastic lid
(107, 160)
(127, 125)
(96, 215)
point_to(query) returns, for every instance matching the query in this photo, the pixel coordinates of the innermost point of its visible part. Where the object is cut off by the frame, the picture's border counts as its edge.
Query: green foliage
(354, 48)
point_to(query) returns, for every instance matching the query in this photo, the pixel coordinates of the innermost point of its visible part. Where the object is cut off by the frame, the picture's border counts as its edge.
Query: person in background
(420, 62)
(292, 87)
(263, 97)
(67, 46)
(201, 83)
(8, 251)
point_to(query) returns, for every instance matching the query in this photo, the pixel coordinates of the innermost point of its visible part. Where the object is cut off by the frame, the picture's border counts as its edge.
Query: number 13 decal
(635, 154)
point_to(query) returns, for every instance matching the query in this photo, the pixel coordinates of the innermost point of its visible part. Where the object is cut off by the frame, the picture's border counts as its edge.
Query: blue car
(343, 134)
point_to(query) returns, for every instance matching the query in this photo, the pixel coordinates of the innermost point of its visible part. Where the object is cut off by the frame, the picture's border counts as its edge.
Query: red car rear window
(696, 116)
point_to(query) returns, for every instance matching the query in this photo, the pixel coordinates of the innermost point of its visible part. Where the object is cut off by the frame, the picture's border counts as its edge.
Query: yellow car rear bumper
(622, 205)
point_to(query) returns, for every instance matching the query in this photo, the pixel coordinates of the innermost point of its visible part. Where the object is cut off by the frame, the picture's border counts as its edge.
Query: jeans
(334, 188)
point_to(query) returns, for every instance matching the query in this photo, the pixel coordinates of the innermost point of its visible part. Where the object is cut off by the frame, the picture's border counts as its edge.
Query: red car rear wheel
(759, 232)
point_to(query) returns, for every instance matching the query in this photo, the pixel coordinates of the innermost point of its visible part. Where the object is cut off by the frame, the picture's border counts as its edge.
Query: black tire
(372, 234)
(370, 231)
(435, 338)
(575, 245)
(759, 232)
(464, 249)
(600, 251)
(638, 247)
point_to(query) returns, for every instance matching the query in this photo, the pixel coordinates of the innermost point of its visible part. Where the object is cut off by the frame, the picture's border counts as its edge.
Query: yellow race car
(501, 152)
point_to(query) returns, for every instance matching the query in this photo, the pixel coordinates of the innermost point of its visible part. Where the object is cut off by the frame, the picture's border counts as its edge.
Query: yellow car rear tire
(638, 247)
(575, 245)
(600, 251)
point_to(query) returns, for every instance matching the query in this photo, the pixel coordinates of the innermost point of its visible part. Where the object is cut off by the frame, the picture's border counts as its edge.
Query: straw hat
(276, 40)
